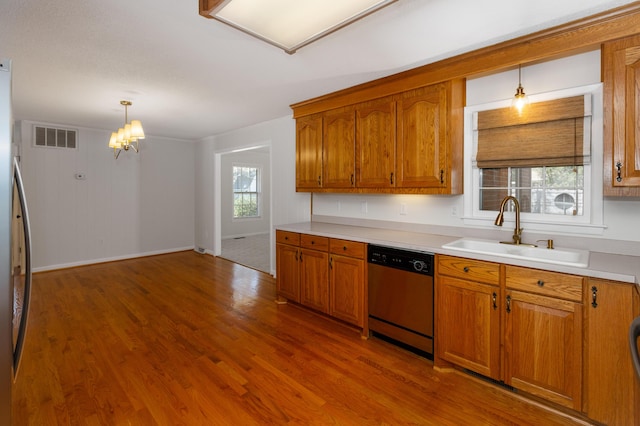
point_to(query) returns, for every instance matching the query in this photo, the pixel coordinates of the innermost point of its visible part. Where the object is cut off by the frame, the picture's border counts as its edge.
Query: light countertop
(616, 267)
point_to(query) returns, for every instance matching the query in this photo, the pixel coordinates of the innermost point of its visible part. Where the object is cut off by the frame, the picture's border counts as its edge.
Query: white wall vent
(55, 138)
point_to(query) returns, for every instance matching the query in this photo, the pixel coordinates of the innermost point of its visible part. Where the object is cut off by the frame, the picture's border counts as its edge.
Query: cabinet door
(468, 321)
(376, 144)
(338, 149)
(543, 347)
(309, 152)
(422, 137)
(346, 289)
(287, 272)
(314, 279)
(621, 72)
(612, 390)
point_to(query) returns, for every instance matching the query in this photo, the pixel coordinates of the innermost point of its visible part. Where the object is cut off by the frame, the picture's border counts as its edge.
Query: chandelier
(128, 136)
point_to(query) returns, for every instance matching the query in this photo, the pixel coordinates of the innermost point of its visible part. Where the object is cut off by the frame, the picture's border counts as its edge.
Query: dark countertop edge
(614, 267)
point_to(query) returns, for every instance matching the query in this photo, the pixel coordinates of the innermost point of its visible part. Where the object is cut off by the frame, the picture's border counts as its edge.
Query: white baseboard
(108, 259)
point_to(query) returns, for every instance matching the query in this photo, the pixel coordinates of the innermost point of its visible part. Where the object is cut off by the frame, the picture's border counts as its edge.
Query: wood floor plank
(189, 339)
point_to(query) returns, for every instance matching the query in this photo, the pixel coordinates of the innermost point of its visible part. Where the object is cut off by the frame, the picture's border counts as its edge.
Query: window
(246, 192)
(550, 161)
(545, 190)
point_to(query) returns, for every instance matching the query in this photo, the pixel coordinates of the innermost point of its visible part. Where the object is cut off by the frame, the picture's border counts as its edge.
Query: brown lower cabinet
(314, 276)
(539, 332)
(327, 275)
(347, 278)
(543, 334)
(288, 265)
(467, 314)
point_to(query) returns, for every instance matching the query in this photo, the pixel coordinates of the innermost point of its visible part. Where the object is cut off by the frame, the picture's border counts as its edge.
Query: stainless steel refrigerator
(15, 251)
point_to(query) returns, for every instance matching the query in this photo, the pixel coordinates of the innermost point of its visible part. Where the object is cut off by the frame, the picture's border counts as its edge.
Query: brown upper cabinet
(309, 152)
(410, 142)
(621, 74)
(376, 143)
(425, 147)
(338, 152)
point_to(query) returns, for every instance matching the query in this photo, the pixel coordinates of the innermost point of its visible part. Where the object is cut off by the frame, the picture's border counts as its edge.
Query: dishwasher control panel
(406, 260)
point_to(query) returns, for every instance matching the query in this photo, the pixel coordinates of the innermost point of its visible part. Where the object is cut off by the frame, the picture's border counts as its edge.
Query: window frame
(258, 191)
(591, 222)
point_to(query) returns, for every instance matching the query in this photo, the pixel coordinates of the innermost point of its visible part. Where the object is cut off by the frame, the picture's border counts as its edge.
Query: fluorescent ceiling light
(289, 24)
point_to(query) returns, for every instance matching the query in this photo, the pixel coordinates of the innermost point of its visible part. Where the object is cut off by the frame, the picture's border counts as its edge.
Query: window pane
(494, 178)
(541, 190)
(252, 204)
(237, 177)
(490, 198)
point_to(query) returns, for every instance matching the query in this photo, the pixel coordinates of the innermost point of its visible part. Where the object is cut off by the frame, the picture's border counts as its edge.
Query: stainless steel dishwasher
(401, 296)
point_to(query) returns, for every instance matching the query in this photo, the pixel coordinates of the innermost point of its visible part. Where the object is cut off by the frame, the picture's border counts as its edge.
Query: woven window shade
(549, 133)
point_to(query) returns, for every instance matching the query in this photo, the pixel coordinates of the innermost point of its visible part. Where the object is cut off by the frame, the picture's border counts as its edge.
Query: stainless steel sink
(560, 256)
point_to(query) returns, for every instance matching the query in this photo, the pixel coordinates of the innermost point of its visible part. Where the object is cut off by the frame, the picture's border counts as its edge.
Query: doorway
(243, 234)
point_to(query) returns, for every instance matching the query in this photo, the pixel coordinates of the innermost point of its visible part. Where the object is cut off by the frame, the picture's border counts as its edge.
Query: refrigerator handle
(22, 325)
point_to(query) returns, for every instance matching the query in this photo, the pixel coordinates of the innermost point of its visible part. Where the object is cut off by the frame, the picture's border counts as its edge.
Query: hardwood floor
(188, 339)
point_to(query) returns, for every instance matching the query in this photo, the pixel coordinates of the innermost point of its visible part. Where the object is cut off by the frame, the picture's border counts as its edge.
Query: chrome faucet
(517, 233)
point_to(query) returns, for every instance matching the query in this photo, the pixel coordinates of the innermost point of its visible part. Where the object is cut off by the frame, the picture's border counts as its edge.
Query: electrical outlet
(454, 211)
(338, 206)
(363, 207)
(403, 209)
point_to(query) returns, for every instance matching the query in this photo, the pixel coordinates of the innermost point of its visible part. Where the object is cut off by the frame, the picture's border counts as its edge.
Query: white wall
(135, 205)
(620, 215)
(231, 227)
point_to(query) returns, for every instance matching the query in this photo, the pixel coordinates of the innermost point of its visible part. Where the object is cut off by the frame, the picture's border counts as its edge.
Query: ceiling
(190, 77)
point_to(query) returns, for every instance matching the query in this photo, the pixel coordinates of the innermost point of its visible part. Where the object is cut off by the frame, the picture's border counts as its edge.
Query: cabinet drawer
(544, 282)
(475, 270)
(347, 248)
(314, 242)
(287, 237)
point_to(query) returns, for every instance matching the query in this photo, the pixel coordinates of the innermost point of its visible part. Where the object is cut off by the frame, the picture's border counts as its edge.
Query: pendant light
(520, 99)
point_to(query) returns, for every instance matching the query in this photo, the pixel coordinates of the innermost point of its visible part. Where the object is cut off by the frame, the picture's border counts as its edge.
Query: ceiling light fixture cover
(289, 24)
